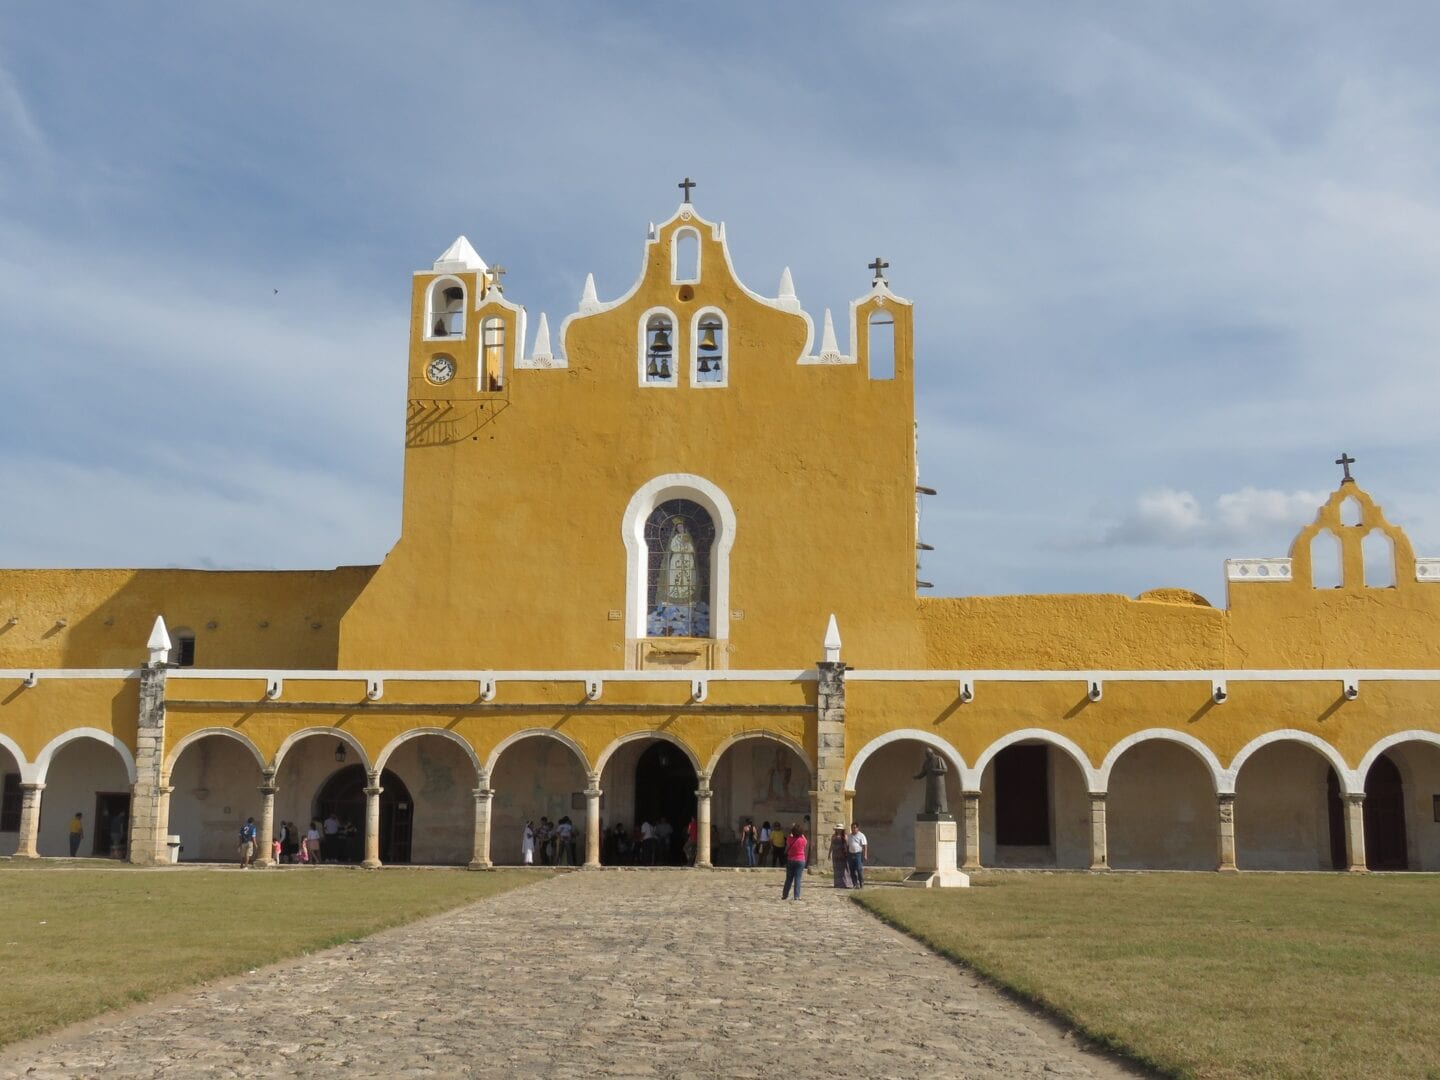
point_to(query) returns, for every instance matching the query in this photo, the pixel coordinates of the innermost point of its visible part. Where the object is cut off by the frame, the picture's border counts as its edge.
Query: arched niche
(215, 779)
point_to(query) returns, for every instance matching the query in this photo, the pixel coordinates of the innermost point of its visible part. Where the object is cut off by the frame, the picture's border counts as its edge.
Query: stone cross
(496, 273)
(879, 266)
(1345, 461)
(687, 184)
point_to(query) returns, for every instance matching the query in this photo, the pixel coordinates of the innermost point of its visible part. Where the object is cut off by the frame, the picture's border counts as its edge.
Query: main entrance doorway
(665, 784)
(344, 796)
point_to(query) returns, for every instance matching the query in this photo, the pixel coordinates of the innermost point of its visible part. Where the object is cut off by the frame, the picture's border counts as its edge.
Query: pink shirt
(795, 849)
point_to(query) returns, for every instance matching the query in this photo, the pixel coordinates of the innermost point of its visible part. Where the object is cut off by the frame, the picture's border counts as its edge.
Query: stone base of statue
(937, 839)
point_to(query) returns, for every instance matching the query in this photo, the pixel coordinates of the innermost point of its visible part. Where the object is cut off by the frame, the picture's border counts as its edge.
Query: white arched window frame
(643, 353)
(493, 342)
(642, 504)
(685, 256)
(442, 307)
(701, 379)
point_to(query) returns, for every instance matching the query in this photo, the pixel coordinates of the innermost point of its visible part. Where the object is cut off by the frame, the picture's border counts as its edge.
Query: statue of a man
(932, 771)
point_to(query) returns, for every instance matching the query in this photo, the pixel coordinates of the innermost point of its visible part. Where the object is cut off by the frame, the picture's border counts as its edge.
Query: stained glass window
(678, 537)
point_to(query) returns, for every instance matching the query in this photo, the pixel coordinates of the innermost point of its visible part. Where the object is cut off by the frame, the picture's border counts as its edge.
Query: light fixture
(340, 753)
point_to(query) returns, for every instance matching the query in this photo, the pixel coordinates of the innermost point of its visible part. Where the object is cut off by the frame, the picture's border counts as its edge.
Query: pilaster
(1099, 845)
(265, 856)
(1355, 833)
(149, 809)
(484, 800)
(592, 823)
(702, 823)
(1225, 836)
(372, 823)
(827, 805)
(972, 830)
(29, 844)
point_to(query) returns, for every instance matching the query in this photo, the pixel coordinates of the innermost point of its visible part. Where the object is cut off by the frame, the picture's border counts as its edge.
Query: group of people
(553, 842)
(323, 841)
(763, 846)
(848, 852)
(647, 844)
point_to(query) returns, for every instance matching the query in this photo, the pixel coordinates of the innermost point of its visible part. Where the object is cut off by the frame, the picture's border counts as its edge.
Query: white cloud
(1169, 518)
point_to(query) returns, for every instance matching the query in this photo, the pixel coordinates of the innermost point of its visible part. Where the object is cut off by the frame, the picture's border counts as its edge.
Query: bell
(652, 370)
(664, 367)
(661, 343)
(707, 339)
(440, 330)
(704, 362)
(453, 295)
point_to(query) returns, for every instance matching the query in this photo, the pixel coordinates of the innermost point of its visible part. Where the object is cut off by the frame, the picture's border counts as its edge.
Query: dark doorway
(1385, 847)
(344, 796)
(1022, 796)
(665, 784)
(112, 824)
(1336, 808)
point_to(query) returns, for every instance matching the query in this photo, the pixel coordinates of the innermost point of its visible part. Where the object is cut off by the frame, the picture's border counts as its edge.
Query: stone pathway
(612, 974)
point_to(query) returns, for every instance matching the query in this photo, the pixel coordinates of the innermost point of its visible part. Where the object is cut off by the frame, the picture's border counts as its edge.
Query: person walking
(857, 850)
(794, 860)
(77, 833)
(839, 858)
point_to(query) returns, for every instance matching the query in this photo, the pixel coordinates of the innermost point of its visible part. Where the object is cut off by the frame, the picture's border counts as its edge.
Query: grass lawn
(76, 940)
(1208, 975)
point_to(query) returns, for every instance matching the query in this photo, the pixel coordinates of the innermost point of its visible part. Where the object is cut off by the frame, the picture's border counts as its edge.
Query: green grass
(1255, 975)
(76, 940)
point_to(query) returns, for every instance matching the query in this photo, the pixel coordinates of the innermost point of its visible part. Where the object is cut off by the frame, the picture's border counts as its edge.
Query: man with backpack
(247, 843)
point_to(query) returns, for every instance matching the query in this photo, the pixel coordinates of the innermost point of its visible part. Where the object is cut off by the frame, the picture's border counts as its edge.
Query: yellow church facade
(664, 565)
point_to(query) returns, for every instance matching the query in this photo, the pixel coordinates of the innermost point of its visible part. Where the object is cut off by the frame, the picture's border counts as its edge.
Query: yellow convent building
(603, 605)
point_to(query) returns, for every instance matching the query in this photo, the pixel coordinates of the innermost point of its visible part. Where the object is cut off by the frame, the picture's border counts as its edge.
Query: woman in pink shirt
(794, 861)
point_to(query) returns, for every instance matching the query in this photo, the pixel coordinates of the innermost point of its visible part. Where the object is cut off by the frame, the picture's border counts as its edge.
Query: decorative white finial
(460, 256)
(542, 340)
(832, 641)
(829, 347)
(159, 643)
(787, 298)
(588, 300)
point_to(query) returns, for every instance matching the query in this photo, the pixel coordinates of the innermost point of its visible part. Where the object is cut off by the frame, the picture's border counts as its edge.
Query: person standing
(762, 850)
(312, 842)
(795, 847)
(330, 846)
(247, 843)
(77, 833)
(857, 849)
(747, 841)
(692, 833)
(778, 845)
(839, 858)
(118, 821)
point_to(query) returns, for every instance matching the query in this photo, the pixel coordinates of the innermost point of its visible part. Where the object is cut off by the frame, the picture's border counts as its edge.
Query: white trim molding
(415, 733)
(1088, 771)
(1347, 776)
(693, 359)
(1203, 752)
(195, 736)
(1427, 569)
(493, 758)
(43, 759)
(1390, 742)
(333, 732)
(658, 736)
(643, 348)
(760, 733)
(1274, 570)
(930, 739)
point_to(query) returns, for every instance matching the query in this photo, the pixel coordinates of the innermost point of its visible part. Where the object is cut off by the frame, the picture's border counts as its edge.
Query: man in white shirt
(857, 850)
(647, 842)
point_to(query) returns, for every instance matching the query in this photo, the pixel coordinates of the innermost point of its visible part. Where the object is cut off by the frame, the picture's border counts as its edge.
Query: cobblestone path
(668, 973)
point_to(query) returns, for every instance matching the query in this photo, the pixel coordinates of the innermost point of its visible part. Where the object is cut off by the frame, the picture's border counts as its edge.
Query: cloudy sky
(1169, 260)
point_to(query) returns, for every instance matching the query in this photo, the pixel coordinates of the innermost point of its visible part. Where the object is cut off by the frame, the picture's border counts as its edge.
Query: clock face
(440, 370)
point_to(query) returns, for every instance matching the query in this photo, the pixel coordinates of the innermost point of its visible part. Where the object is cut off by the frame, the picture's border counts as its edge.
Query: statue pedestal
(937, 839)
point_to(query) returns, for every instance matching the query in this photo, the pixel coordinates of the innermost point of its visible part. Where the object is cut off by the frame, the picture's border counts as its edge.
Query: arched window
(709, 362)
(1377, 551)
(657, 358)
(445, 309)
(679, 535)
(685, 256)
(1350, 511)
(881, 344)
(182, 647)
(1325, 570)
(494, 338)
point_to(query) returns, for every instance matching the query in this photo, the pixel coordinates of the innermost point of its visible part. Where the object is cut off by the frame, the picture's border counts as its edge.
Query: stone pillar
(972, 831)
(29, 847)
(1099, 845)
(702, 823)
(849, 794)
(265, 857)
(372, 823)
(480, 852)
(1355, 833)
(827, 799)
(149, 809)
(592, 823)
(1225, 802)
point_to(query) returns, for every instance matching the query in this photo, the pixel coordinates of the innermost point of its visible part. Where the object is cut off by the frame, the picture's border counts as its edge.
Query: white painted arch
(640, 736)
(1203, 752)
(204, 733)
(331, 732)
(531, 733)
(632, 530)
(930, 739)
(14, 748)
(415, 733)
(1389, 742)
(759, 733)
(43, 759)
(1088, 771)
(1348, 783)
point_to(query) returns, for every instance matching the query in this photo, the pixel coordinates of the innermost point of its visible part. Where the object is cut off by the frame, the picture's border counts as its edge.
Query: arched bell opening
(1160, 809)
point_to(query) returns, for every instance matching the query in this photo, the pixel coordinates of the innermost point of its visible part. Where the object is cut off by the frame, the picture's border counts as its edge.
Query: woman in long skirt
(839, 858)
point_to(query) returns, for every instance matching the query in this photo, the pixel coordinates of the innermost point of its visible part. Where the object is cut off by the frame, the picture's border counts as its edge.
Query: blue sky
(1168, 260)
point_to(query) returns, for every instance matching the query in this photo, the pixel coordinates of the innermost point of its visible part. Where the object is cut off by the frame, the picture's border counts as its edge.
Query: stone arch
(632, 531)
(767, 774)
(333, 732)
(1348, 782)
(549, 733)
(43, 759)
(195, 736)
(7, 743)
(1088, 771)
(930, 739)
(1416, 755)
(757, 733)
(1414, 735)
(1203, 752)
(414, 733)
(636, 736)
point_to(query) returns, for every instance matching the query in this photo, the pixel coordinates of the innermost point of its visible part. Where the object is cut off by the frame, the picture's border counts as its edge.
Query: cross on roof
(686, 185)
(496, 272)
(879, 266)
(1345, 461)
